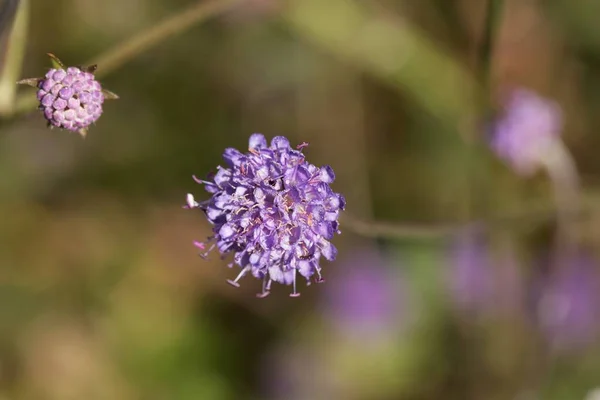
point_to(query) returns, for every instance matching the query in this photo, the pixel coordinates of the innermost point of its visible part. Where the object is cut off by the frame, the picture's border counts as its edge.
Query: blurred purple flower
(295, 370)
(274, 211)
(470, 275)
(368, 297)
(529, 125)
(569, 304)
(479, 283)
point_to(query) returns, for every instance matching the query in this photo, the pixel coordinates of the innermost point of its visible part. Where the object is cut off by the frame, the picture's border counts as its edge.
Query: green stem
(14, 59)
(574, 209)
(486, 54)
(477, 178)
(176, 24)
(124, 52)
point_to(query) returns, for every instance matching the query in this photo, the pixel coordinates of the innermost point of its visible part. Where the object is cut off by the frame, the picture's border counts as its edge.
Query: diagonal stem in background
(145, 40)
(176, 24)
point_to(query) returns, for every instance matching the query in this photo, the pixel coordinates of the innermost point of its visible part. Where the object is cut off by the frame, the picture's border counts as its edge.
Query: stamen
(294, 293)
(202, 246)
(240, 276)
(266, 289)
(301, 146)
(203, 182)
(319, 278)
(191, 203)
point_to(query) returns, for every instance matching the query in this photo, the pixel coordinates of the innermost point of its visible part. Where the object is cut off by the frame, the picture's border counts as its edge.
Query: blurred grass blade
(14, 59)
(392, 50)
(7, 12)
(486, 55)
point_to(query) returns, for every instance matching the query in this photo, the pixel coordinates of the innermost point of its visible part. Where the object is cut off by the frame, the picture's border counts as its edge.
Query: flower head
(529, 125)
(71, 98)
(274, 211)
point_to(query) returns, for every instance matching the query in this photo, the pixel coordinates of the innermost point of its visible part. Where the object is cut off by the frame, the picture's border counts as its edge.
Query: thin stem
(478, 180)
(562, 171)
(176, 24)
(124, 52)
(530, 215)
(486, 53)
(14, 58)
(390, 230)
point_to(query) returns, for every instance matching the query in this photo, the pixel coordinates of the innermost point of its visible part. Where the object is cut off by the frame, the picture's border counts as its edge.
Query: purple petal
(257, 141)
(328, 250)
(227, 231)
(326, 174)
(232, 157)
(280, 142)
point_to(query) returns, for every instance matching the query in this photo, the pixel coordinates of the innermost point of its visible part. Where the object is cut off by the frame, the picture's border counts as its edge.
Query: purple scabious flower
(530, 125)
(275, 212)
(70, 99)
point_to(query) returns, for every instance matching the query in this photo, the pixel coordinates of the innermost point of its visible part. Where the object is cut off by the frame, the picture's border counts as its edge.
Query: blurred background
(103, 295)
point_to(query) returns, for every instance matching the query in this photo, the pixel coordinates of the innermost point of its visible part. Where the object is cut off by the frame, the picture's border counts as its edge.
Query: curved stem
(143, 41)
